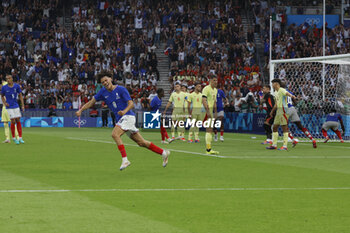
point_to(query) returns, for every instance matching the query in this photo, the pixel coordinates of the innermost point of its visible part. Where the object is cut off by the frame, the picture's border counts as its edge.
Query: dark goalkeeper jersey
(270, 102)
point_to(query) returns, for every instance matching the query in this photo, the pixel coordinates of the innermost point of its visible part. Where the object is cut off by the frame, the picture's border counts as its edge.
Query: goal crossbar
(312, 59)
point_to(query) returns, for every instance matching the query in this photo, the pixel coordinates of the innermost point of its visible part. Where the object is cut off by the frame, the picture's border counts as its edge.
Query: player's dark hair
(276, 80)
(160, 90)
(102, 74)
(267, 86)
(198, 83)
(283, 84)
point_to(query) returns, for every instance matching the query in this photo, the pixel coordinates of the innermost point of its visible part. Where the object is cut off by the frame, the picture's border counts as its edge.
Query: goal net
(321, 84)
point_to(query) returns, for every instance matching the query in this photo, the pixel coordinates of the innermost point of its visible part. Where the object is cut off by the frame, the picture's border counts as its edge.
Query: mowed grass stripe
(223, 156)
(172, 190)
(63, 164)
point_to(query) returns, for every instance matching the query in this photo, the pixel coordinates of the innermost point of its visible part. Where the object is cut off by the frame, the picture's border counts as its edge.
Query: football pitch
(68, 180)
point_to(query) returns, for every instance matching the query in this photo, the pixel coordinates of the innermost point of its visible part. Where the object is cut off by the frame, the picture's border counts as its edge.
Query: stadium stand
(55, 55)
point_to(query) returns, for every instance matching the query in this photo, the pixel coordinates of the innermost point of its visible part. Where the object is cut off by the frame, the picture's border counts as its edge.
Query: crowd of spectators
(298, 41)
(56, 65)
(208, 39)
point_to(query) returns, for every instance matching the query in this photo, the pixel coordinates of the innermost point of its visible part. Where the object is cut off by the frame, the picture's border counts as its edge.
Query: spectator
(137, 105)
(76, 102)
(145, 102)
(67, 104)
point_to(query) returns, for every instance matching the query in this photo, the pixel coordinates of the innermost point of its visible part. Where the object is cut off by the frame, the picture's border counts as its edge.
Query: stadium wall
(234, 122)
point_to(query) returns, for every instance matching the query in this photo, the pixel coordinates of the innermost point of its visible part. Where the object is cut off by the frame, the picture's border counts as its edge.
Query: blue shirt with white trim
(11, 95)
(116, 100)
(289, 100)
(155, 104)
(333, 116)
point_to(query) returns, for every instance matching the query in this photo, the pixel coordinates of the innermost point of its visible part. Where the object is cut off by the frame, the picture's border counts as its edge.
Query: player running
(156, 103)
(268, 102)
(177, 98)
(294, 118)
(281, 117)
(209, 94)
(195, 99)
(220, 117)
(332, 123)
(9, 95)
(118, 100)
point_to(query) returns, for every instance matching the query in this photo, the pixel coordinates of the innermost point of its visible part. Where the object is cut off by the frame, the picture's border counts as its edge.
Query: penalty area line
(222, 156)
(172, 190)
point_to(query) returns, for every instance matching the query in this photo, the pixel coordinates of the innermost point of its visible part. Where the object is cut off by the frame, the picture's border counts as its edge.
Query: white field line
(171, 190)
(302, 142)
(226, 157)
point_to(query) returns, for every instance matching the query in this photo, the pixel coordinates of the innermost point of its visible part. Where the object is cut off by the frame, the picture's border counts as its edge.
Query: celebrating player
(209, 94)
(155, 106)
(281, 117)
(294, 118)
(332, 123)
(177, 99)
(118, 100)
(220, 110)
(269, 102)
(195, 99)
(9, 94)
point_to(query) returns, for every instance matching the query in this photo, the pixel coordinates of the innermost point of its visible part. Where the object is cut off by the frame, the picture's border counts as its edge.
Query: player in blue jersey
(5, 118)
(294, 118)
(332, 123)
(119, 101)
(220, 99)
(9, 94)
(155, 105)
(156, 102)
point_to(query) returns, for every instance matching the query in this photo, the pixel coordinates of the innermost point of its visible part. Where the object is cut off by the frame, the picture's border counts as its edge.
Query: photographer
(250, 100)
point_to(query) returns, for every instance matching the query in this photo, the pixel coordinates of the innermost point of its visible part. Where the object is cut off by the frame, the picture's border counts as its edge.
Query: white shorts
(127, 123)
(221, 114)
(14, 113)
(293, 115)
(330, 125)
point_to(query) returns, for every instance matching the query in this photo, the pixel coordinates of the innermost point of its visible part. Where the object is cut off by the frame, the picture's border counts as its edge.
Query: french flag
(103, 5)
(167, 51)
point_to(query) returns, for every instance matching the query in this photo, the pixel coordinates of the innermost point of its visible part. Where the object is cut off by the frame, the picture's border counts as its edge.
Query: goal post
(321, 83)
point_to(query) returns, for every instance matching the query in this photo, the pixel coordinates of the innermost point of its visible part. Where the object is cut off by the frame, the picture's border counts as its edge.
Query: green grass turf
(55, 159)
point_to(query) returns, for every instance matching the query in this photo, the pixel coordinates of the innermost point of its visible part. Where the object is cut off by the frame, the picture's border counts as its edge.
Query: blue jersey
(289, 100)
(155, 104)
(219, 98)
(116, 100)
(333, 117)
(11, 94)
